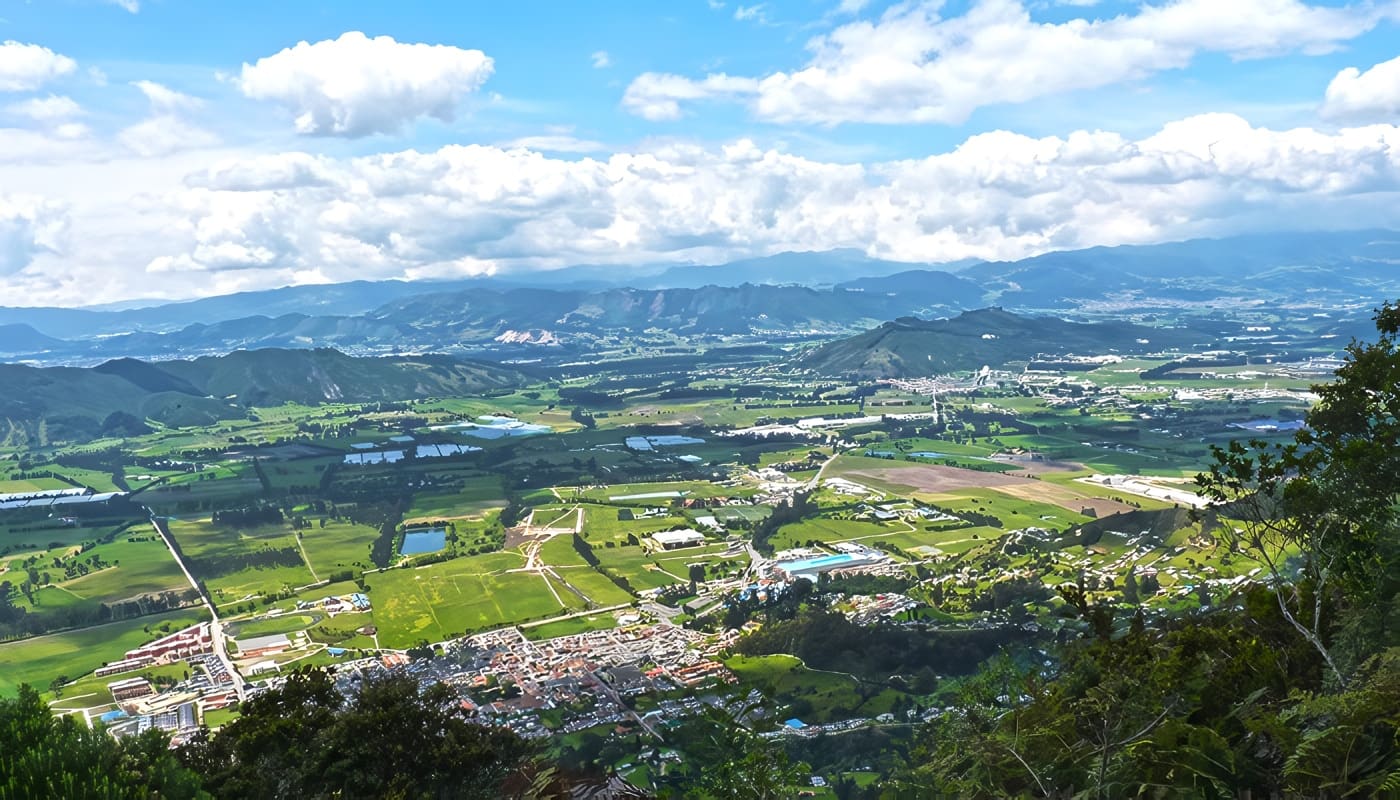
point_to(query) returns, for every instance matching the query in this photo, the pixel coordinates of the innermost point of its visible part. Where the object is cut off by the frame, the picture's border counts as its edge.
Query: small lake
(416, 543)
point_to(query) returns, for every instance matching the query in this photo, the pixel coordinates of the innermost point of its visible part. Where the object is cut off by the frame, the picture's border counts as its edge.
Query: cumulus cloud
(165, 100)
(29, 226)
(129, 6)
(53, 108)
(998, 195)
(26, 67)
(600, 59)
(166, 130)
(1373, 95)
(357, 86)
(913, 65)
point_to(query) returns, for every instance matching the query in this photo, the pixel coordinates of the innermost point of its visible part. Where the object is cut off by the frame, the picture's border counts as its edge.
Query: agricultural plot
(599, 589)
(570, 627)
(456, 597)
(337, 546)
(75, 653)
(139, 567)
(302, 475)
(641, 570)
(44, 535)
(24, 485)
(240, 563)
(457, 496)
(196, 495)
(661, 494)
(827, 529)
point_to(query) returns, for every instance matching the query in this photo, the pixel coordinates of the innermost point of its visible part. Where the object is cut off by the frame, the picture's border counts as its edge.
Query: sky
(165, 149)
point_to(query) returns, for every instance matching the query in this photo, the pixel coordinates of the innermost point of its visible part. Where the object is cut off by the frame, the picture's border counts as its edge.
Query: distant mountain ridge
(45, 404)
(821, 293)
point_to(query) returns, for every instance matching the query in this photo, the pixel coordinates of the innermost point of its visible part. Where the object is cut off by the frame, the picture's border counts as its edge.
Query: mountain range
(44, 404)
(785, 295)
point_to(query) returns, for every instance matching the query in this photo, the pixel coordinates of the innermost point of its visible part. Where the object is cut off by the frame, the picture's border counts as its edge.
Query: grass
(337, 546)
(143, 567)
(75, 653)
(287, 623)
(826, 696)
(16, 486)
(91, 692)
(456, 597)
(595, 585)
(637, 567)
(470, 495)
(826, 529)
(570, 627)
(205, 544)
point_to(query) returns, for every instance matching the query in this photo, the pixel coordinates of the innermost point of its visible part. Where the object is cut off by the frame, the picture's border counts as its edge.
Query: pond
(419, 542)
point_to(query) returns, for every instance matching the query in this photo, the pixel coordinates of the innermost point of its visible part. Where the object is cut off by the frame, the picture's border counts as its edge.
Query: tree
(1329, 496)
(44, 756)
(389, 739)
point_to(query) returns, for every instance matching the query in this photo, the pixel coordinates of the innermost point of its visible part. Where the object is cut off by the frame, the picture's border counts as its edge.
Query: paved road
(216, 626)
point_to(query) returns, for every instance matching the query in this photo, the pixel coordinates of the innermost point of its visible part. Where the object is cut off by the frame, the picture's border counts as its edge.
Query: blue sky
(174, 148)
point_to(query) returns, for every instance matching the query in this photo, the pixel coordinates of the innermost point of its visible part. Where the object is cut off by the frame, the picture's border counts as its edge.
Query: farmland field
(456, 597)
(76, 653)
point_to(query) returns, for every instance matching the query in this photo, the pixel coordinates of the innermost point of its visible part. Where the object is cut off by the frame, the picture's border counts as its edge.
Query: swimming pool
(820, 564)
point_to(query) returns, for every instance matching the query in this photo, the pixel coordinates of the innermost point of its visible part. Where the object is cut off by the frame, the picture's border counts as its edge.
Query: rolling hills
(48, 404)
(910, 347)
(790, 293)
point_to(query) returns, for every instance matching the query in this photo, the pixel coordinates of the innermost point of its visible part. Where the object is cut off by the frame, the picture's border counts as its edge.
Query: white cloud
(53, 108)
(913, 65)
(130, 6)
(556, 143)
(658, 96)
(29, 226)
(851, 7)
(356, 86)
(165, 100)
(264, 173)
(163, 134)
(166, 130)
(254, 221)
(998, 195)
(1373, 95)
(601, 59)
(26, 67)
(753, 13)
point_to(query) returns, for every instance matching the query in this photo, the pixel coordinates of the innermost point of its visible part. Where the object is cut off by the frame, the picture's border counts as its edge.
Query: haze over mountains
(787, 294)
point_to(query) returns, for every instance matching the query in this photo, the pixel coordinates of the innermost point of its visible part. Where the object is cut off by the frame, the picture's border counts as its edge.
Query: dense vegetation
(306, 739)
(1294, 692)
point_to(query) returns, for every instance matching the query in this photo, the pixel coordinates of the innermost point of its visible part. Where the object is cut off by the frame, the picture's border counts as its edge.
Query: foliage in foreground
(46, 756)
(1293, 692)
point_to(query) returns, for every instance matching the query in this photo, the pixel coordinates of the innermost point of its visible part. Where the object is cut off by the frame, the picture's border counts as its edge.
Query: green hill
(56, 404)
(910, 347)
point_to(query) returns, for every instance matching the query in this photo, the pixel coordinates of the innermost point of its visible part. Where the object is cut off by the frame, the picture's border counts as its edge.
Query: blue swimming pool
(816, 564)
